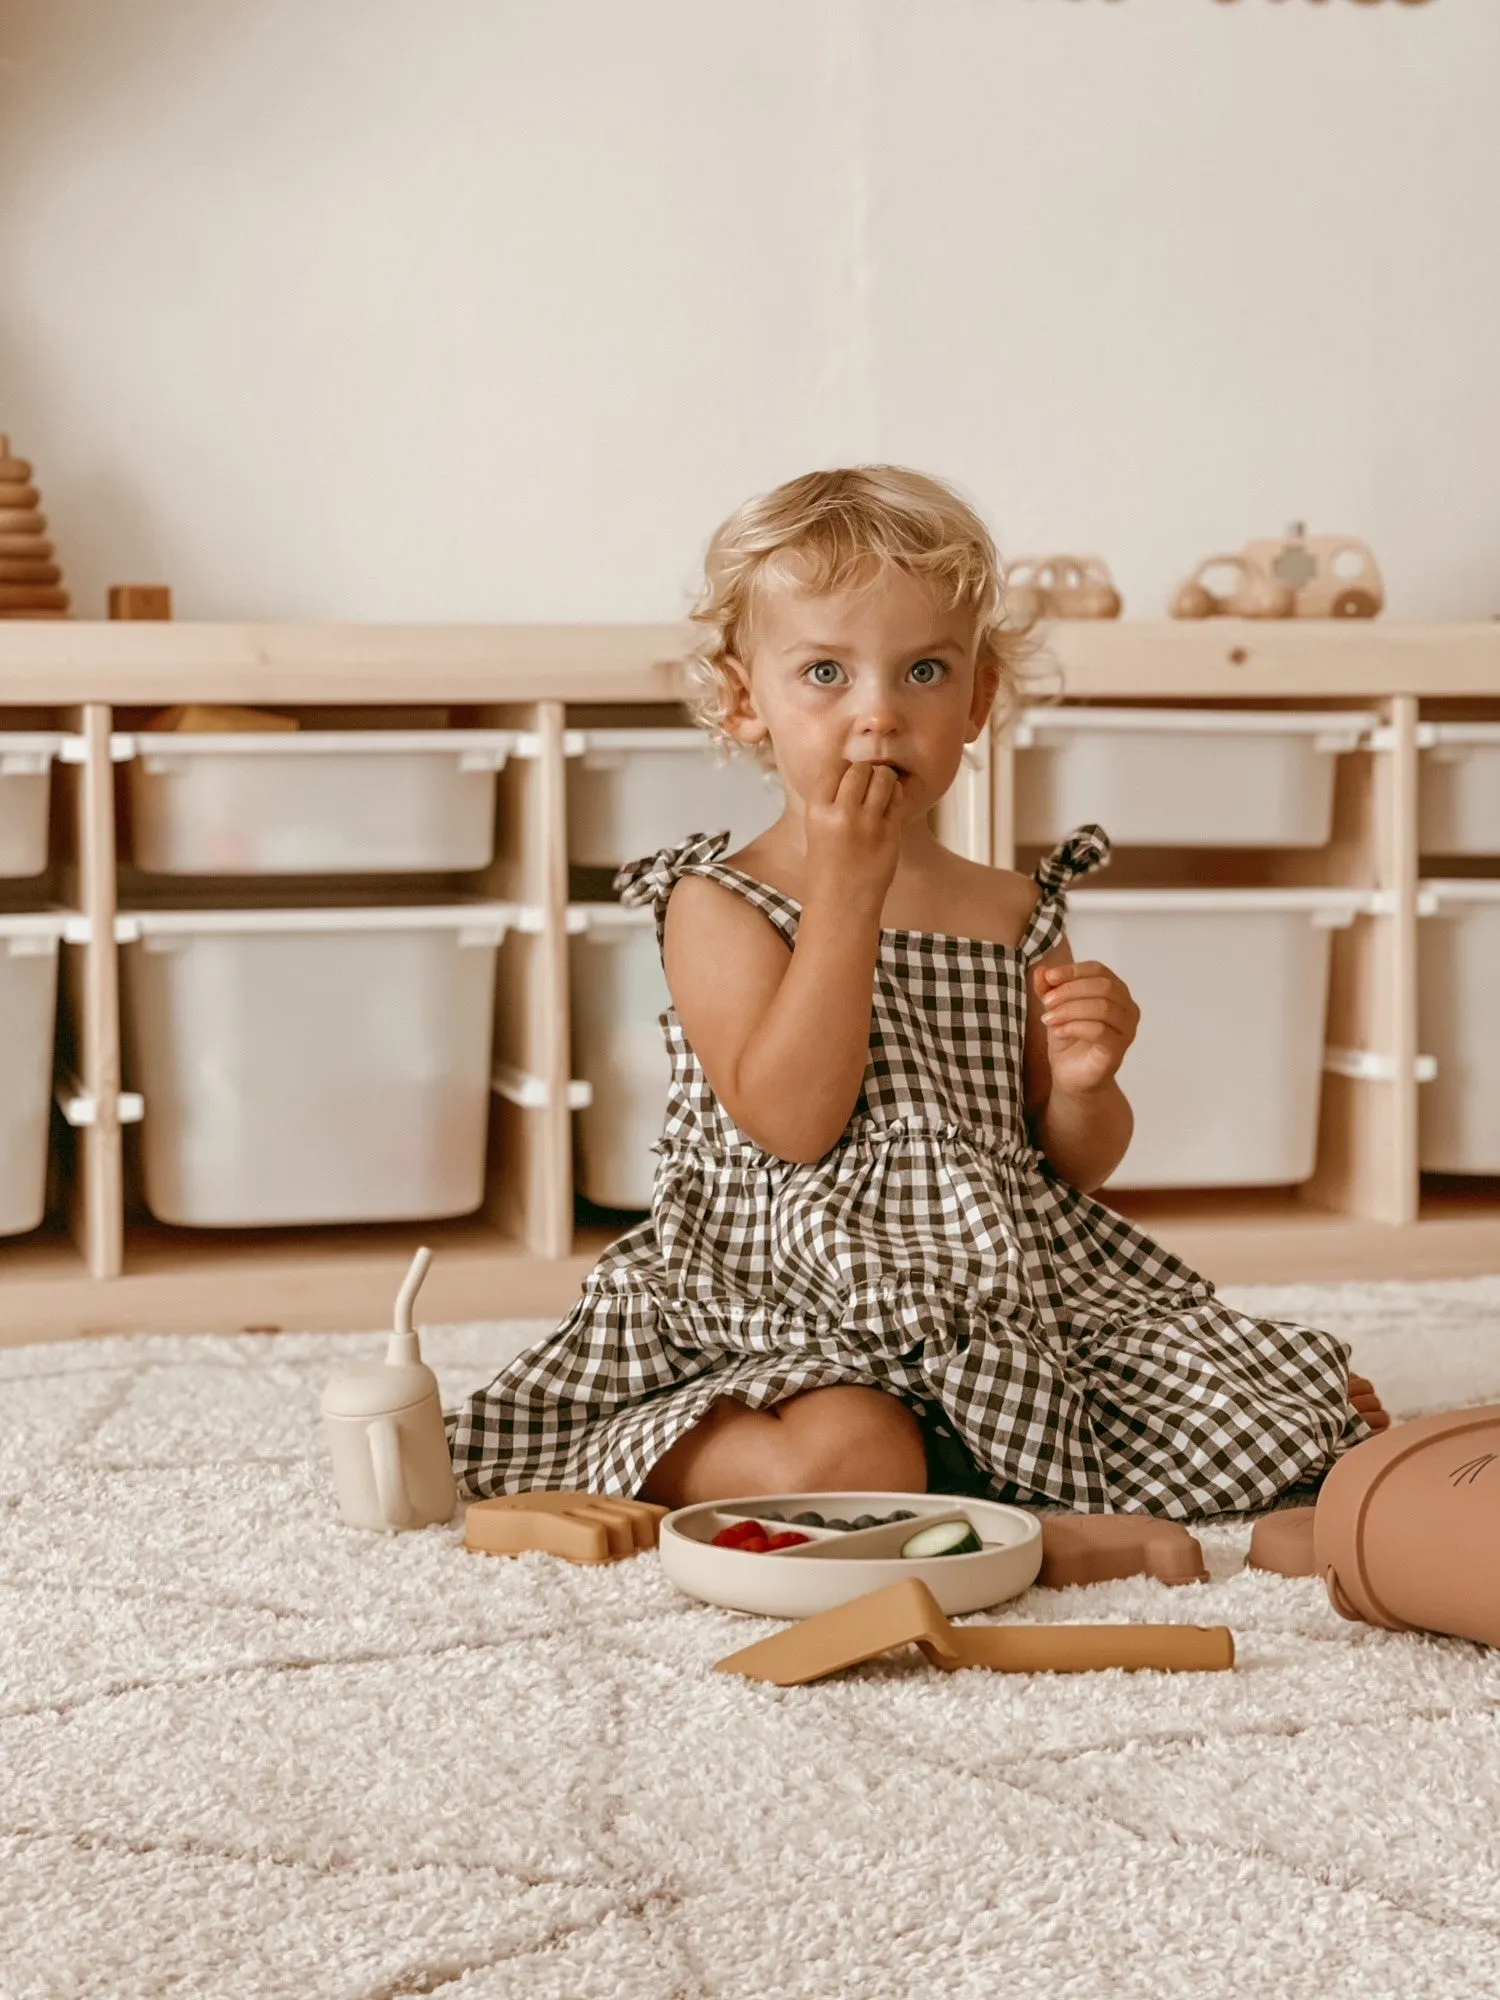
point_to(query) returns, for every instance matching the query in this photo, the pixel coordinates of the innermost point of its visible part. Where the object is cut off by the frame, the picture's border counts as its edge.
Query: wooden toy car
(1060, 587)
(1253, 593)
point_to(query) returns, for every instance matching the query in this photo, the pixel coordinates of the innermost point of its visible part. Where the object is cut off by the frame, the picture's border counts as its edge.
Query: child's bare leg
(841, 1439)
(1363, 1396)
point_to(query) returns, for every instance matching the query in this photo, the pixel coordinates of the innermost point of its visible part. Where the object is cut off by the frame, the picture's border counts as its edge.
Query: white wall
(449, 309)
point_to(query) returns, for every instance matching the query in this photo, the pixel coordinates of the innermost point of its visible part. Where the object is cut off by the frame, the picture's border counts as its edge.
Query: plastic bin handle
(81, 1107)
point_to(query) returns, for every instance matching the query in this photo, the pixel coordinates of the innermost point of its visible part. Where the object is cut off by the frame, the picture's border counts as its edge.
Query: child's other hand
(854, 835)
(1090, 1021)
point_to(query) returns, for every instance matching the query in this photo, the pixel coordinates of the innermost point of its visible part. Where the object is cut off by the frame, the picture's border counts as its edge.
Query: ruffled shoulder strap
(652, 879)
(1084, 850)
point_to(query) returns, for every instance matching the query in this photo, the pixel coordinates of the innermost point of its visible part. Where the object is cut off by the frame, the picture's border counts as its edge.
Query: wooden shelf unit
(100, 1266)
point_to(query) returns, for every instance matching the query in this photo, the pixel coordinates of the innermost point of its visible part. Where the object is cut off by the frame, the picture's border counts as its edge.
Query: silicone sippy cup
(384, 1421)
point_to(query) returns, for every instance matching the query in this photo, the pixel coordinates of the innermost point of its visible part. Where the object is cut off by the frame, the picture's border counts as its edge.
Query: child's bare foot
(1364, 1398)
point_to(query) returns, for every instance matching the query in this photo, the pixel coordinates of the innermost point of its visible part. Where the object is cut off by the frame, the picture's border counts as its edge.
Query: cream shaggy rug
(244, 1751)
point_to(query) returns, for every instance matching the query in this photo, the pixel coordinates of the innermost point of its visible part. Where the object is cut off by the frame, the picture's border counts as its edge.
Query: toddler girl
(872, 1262)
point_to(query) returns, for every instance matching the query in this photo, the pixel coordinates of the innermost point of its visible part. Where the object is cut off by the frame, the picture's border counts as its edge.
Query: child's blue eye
(925, 672)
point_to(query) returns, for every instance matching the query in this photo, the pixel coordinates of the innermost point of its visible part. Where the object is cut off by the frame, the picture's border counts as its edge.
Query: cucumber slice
(949, 1538)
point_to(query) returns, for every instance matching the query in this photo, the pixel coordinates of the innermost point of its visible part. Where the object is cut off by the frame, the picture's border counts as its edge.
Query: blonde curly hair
(827, 531)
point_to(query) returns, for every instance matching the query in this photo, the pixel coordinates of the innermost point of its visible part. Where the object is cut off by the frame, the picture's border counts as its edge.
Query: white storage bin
(28, 1012)
(305, 1066)
(632, 791)
(1458, 1002)
(618, 992)
(25, 797)
(1225, 1072)
(315, 802)
(1181, 777)
(1459, 799)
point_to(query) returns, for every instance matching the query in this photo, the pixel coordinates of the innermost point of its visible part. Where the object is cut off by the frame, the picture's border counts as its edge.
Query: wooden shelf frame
(1363, 1212)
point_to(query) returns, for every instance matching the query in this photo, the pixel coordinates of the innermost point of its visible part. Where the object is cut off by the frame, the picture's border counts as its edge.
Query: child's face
(879, 674)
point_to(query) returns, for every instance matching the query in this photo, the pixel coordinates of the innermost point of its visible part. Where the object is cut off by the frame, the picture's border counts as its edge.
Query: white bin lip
(1434, 893)
(497, 743)
(1182, 902)
(680, 736)
(1430, 734)
(683, 736)
(71, 926)
(610, 917)
(131, 926)
(1353, 902)
(35, 745)
(1343, 727)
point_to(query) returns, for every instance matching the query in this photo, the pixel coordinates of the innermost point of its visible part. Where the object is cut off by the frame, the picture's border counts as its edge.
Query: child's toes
(1363, 1396)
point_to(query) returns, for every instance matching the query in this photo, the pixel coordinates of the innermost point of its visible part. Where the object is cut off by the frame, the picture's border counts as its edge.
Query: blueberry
(838, 1524)
(767, 1515)
(807, 1521)
(905, 1515)
(867, 1521)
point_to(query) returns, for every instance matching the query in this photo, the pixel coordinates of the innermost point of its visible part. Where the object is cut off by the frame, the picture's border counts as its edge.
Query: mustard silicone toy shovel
(391, 1467)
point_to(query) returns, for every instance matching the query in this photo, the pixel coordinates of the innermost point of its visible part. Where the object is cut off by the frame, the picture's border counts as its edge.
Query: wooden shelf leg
(1367, 1151)
(97, 1210)
(532, 1194)
(962, 816)
(1002, 800)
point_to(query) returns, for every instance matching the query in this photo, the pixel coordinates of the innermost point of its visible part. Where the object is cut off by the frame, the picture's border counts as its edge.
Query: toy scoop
(908, 1614)
(384, 1423)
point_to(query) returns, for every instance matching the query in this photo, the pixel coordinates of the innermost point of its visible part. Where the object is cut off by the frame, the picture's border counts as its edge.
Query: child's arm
(784, 1035)
(1079, 1024)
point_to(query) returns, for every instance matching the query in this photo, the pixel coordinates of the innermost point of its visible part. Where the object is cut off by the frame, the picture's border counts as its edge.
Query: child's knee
(850, 1439)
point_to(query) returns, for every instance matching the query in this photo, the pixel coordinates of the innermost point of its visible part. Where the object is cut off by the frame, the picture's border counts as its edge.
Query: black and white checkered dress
(932, 1253)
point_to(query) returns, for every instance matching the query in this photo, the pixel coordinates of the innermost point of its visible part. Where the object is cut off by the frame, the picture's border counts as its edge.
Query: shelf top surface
(63, 661)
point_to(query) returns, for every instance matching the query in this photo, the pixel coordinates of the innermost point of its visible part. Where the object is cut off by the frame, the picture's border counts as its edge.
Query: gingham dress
(932, 1253)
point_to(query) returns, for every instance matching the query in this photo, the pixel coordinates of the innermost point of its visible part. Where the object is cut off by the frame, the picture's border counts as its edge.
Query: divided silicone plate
(839, 1564)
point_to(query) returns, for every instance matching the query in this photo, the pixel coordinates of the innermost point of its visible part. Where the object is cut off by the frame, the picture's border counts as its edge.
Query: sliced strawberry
(789, 1540)
(736, 1536)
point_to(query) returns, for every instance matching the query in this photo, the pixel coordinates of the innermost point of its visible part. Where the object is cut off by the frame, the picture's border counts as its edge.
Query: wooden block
(1095, 1548)
(140, 600)
(579, 1527)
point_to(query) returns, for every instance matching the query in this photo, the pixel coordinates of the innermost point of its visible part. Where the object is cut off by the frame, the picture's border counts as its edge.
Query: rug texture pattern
(245, 1751)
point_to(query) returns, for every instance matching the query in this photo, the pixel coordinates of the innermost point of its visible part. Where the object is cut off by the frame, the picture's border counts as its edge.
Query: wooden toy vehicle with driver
(1302, 576)
(1329, 576)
